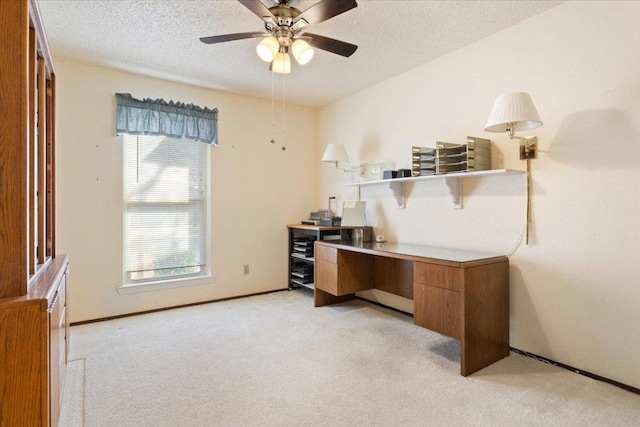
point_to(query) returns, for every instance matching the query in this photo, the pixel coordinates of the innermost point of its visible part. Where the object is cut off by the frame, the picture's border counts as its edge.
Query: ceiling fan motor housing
(283, 28)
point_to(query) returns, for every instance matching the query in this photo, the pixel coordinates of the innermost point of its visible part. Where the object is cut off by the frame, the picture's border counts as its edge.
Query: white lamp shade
(281, 63)
(515, 110)
(335, 153)
(268, 48)
(302, 51)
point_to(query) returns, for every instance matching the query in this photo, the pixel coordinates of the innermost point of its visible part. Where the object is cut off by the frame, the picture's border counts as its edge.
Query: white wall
(575, 290)
(256, 189)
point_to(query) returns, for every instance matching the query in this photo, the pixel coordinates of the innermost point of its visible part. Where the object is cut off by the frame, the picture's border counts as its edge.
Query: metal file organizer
(449, 157)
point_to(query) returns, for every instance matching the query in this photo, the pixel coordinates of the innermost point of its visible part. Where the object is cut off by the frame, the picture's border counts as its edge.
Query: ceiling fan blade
(257, 7)
(332, 45)
(226, 37)
(326, 9)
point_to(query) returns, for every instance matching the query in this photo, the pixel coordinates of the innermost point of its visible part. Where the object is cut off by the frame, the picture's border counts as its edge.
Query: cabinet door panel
(438, 309)
(57, 350)
(55, 312)
(22, 380)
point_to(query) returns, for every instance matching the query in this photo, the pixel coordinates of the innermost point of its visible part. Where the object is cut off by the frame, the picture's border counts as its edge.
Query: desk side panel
(322, 298)
(485, 329)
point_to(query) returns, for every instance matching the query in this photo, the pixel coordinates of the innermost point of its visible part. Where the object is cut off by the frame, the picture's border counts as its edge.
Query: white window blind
(165, 208)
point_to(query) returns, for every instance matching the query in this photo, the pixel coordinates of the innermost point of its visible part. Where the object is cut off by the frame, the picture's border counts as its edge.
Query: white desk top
(410, 250)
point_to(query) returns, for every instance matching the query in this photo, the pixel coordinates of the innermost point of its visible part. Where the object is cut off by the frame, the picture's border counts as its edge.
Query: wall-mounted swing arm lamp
(515, 112)
(336, 153)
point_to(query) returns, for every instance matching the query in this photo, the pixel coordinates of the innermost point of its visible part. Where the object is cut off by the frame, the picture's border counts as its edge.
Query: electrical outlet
(246, 269)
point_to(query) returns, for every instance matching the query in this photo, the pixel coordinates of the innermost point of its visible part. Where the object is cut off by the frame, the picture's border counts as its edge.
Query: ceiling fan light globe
(281, 63)
(268, 48)
(302, 51)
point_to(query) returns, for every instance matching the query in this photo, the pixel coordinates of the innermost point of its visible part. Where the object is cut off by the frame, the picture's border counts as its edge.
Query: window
(165, 208)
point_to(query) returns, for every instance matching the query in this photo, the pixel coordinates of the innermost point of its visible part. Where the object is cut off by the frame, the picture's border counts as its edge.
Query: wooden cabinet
(33, 279)
(27, 148)
(34, 339)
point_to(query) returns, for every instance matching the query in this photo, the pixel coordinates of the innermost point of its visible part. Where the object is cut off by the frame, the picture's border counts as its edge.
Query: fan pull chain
(137, 159)
(284, 137)
(273, 140)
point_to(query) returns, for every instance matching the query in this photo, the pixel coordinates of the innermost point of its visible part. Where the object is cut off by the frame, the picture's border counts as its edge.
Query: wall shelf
(453, 180)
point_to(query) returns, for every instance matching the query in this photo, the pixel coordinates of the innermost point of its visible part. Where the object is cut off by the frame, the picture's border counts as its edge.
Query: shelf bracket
(455, 188)
(398, 193)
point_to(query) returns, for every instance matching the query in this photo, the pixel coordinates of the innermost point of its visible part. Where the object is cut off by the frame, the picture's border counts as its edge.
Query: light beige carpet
(72, 410)
(274, 360)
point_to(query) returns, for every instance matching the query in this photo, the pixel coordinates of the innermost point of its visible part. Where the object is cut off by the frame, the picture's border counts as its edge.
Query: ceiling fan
(286, 31)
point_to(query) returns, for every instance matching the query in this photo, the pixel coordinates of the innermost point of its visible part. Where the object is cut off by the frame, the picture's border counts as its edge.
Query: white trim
(165, 284)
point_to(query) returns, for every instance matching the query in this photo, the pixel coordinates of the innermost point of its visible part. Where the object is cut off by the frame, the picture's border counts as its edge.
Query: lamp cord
(528, 199)
(515, 246)
(527, 227)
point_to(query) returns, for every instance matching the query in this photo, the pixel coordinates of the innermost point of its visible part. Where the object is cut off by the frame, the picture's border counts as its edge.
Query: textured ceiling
(160, 38)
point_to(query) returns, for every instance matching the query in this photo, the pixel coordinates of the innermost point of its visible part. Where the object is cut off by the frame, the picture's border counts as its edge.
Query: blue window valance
(159, 117)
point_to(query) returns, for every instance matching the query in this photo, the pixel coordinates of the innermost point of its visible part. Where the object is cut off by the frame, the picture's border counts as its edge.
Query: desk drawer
(326, 276)
(352, 273)
(439, 276)
(326, 254)
(438, 309)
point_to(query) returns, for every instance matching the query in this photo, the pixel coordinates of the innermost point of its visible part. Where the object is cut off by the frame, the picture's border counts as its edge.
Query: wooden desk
(463, 295)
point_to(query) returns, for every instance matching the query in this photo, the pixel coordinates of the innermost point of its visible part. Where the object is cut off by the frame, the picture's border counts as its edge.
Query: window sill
(165, 284)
